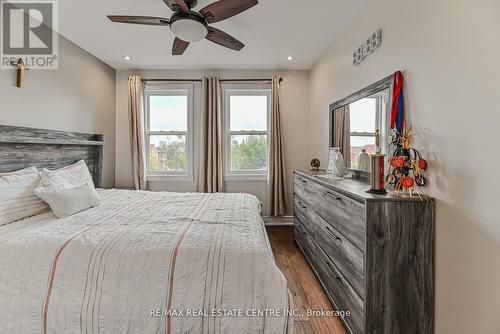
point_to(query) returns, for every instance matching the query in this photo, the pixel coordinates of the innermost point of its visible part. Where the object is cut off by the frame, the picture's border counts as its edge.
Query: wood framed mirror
(354, 121)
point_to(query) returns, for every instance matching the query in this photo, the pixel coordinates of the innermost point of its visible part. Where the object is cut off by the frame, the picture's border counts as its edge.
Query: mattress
(144, 262)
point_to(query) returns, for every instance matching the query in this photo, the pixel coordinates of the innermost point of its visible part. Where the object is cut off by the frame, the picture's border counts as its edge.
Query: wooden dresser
(374, 255)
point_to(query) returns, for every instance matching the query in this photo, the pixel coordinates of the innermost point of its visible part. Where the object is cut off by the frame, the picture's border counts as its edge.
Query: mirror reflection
(354, 129)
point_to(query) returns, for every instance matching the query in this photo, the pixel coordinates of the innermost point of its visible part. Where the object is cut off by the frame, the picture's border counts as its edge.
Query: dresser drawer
(302, 188)
(340, 211)
(347, 257)
(300, 212)
(340, 292)
(304, 239)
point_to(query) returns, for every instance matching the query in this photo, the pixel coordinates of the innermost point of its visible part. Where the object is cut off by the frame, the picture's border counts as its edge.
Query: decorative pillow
(68, 190)
(67, 202)
(17, 198)
(67, 177)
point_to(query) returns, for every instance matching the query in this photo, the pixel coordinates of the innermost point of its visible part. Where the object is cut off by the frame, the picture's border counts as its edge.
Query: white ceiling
(272, 30)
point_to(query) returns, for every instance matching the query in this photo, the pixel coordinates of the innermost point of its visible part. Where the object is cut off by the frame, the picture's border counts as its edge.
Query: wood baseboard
(278, 221)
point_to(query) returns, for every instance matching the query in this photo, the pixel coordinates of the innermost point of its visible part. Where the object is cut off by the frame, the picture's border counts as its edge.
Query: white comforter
(143, 262)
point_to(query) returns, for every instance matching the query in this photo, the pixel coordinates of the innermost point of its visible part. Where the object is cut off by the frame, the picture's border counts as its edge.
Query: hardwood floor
(303, 284)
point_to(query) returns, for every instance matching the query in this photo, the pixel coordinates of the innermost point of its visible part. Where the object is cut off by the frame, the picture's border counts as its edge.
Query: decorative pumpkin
(422, 164)
(407, 182)
(397, 161)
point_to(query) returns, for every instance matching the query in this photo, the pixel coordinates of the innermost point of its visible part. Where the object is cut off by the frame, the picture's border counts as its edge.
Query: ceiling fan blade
(220, 37)
(177, 5)
(224, 9)
(147, 20)
(179, 47)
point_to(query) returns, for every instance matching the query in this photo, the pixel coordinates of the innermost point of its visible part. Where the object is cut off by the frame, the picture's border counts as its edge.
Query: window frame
(171, 89)
(252, 89)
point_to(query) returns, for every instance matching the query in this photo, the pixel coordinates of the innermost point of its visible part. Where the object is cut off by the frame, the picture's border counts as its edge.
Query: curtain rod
(222, 80)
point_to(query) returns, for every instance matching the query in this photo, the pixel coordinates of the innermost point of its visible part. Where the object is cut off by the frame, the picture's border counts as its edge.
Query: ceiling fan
(189, 26)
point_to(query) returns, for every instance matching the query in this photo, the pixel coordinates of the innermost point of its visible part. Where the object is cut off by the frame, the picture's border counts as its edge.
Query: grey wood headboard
(22, 147)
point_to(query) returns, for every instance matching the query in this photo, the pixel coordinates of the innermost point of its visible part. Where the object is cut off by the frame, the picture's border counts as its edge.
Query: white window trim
(171, 89)
(244, 89)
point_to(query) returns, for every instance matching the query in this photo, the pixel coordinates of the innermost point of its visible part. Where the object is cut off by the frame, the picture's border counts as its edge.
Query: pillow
(67, 202)
(17, 198)
(68, 190)
(67, 177)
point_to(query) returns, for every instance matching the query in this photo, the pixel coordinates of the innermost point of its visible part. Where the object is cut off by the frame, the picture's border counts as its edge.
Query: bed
(141, 262)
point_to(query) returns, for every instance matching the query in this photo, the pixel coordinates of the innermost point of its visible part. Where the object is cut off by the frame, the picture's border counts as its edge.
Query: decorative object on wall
(377, 168)
(368, 47)
(398, 103)
(315, 163)
(406, 166)
(21, 68)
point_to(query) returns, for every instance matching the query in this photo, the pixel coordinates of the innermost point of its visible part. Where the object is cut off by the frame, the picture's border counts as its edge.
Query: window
(169, 131)
(246, 111)
(366, 115)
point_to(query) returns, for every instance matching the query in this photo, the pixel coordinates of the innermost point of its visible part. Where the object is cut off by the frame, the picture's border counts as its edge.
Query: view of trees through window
(249, 152)
(168, 128)
(247, 131)
(168, 153)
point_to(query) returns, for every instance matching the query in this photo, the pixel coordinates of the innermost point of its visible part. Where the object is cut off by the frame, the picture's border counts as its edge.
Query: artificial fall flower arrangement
(406, 166)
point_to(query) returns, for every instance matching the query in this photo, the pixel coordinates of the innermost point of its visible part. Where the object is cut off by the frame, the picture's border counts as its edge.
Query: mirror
(355, 120)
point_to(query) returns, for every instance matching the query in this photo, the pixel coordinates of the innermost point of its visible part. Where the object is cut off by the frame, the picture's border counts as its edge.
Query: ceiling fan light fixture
(189, 28)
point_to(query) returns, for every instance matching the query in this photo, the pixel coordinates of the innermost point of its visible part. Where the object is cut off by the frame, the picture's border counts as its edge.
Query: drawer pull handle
(333, 196)
(337, 277)
(333, 234)
(302, 205)
(304, 181)
(301, 230)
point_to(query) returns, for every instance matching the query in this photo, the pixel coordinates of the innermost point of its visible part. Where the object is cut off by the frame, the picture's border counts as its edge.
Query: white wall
(79, 96)
(295, 95)
(450, 53)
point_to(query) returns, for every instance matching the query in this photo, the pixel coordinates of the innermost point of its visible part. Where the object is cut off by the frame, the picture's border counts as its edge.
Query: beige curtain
(276, 183)
(137, 131)
(342, 134)
(211, 172)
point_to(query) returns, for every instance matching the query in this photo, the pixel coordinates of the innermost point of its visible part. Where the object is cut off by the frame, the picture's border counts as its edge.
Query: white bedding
(109, 268)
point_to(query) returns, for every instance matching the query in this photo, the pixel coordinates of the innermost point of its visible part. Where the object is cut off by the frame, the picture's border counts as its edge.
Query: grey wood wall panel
(22, 147)
(397, 294)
